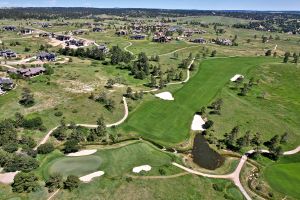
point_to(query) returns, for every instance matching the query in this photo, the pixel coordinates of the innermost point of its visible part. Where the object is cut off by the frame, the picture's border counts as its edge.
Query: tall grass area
(168, 122)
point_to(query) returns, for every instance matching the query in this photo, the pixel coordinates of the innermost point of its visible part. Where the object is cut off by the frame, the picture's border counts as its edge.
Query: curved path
(234, 176)
(172, 52)
(125, 48)
(44, 140)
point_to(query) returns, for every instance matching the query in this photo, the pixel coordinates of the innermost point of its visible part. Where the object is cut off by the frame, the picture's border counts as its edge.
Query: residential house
(78, 43)
(98, 29)
(45, 35)
(63, 37)
(45, 56)
(199, 40)
(9, 28)
(225, 42)
(8, 53)
(5, 84)
(161, 38)
(103, 48)
(26, 31)
(121, 32)
(28, 72)
(138, 37)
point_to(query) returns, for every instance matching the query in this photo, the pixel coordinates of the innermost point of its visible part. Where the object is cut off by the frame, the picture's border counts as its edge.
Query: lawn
(159, 120)
(114, 162)
(284, 176)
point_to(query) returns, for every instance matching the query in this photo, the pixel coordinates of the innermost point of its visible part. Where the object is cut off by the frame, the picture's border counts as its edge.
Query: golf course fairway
(168, 122)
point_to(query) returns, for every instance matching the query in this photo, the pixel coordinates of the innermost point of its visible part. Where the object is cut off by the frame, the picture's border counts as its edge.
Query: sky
(274, 5)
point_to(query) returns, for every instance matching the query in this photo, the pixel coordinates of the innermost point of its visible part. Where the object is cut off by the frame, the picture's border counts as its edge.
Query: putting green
(285, 177)
(168, 122)
(78, 166)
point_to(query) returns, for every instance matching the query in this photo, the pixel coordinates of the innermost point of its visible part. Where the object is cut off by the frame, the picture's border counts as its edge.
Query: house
(45, 35)
(28, 72)
(77, 43)
(98, 29)
(138, 37)
(6, 84)
(199, 40)
(63, 37)
(9, 28)
(46, 56)
(121, 32)
(225, 42)
(103, 48)
(26, 31)
(161, 38)
(78, 32)
(8, 53)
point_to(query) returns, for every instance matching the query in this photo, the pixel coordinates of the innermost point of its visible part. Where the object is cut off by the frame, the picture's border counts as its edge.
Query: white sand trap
(83, 153)
(141, 168)
(236, 77)
(89, 177)
(8, 178)
(197, 124)
(165, 96)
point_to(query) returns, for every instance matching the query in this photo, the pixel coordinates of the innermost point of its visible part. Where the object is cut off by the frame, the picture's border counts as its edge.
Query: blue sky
(171, 4)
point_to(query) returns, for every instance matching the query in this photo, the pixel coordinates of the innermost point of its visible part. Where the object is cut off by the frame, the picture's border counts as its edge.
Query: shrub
(58, 114)
(25, 182)
(72, 182)
(45, 148)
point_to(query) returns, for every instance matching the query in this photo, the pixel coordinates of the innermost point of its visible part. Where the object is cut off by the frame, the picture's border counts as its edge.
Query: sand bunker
(141, 168)
(236, 77)
(165, 96)
(197, 124)
(82, 153)
(89, 177)
(8, 178)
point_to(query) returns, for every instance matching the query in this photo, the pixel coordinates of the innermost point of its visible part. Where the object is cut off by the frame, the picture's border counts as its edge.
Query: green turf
(284, 176)
(160, 120)
(114, 162)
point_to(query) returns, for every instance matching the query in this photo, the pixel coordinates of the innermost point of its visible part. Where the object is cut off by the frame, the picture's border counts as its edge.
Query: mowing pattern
(161, 121)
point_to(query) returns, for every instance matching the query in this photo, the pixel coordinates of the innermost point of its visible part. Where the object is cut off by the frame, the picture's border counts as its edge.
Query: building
(225, 42)
(103, 48)
(98, 29)
(78, 43)
(161, 38)
(138, 37)
(8, 53)
(26, 31)
(9, 28)
(5, 84)
(199, 40)
(63, 37)
(44, 56)
(121, 32)
(28, 72)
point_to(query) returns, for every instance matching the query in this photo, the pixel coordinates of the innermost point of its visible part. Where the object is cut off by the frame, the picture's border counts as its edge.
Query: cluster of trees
(246, 87)
(56, 182)
(133, 95)
(215, 107)
(27, 98)
(141, 67)
(119, 56)
(93, 53)
(295, 56)
(103, 98)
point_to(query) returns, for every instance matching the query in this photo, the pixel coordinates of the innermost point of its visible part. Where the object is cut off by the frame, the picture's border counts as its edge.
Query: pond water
(204, 156)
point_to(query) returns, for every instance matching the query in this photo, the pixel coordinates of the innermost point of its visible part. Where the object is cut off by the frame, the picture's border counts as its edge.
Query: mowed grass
(284, 176)
(114, 162)
(168, 122)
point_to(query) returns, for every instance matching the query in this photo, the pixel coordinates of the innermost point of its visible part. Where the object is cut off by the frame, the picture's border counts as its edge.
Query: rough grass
(160, 120)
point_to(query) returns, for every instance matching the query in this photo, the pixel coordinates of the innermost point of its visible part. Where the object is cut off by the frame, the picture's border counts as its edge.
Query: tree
(27, 99)
(213, 53)
(110, 83)
(27, 140)
(72, 182)
(286, 57)
(180, 76)
(54, 182)
(71, 146)
(268, 52)
(284, 138)
(110, 104)
(129, 92)
(45, 148)
(152, 81)
(25, 182)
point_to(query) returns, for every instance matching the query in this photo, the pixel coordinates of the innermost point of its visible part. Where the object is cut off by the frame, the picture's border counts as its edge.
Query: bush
(72, 182)
(45, 148)
(25, 182)
(58, 114)
(218, 187)
(71, 146)
(10, 147)
(33, 123)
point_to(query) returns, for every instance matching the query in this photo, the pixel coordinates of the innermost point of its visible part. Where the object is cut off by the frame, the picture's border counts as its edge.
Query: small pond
(204, 156)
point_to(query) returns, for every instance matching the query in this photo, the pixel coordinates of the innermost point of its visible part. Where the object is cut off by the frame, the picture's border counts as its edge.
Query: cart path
(129, 45)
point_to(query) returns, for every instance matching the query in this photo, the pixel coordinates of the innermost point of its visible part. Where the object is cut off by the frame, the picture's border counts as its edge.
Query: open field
(160, 120)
